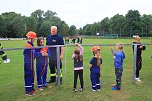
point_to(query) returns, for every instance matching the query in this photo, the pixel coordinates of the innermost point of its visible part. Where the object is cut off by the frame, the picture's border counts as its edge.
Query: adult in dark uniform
(54, 39)
(3, 55)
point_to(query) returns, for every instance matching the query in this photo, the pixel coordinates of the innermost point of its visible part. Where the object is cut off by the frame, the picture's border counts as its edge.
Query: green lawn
(12, 76)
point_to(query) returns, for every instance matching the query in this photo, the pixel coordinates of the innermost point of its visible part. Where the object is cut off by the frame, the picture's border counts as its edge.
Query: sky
(78, 12)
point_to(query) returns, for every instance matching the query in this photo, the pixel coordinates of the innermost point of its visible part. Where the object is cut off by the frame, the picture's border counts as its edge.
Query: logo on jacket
(54, 40)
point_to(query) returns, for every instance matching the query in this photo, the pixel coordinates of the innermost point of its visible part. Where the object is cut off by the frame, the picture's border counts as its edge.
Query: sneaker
(34, 91)
(75, 90)
(40, 89)
(30, 93)
(81, 89)
(46, 86)
(115, 87)
(7, 61)
(93, 90)
(137, 79)
(98, 90)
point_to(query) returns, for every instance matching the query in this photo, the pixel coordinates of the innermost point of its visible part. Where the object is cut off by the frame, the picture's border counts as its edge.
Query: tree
(146, 23)
(38, 14)
(64, 28)
(87, 29)
(45, 28)
(18, 26)
(105, 24)
(133, 21)
(49, 14)
(10, 30)
(30, 24)
(80, 31)
(117, 23)
(72, 30)
(2, 26)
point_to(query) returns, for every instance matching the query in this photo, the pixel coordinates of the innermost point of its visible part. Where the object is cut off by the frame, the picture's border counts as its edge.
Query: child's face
(137, 39)
(96, 52)
(32, 40)
(41, 42)
(119, 47)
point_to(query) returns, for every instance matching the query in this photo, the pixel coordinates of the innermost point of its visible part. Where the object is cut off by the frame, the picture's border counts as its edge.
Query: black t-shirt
(139, 50)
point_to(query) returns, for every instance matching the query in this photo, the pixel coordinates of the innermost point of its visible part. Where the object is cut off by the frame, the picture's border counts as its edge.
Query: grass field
(12, 81)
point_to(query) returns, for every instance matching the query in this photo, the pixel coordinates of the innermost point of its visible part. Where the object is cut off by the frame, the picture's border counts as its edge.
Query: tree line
(13, 25)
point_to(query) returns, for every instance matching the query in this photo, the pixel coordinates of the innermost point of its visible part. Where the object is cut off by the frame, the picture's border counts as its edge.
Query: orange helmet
(94, 48)
(31, 34)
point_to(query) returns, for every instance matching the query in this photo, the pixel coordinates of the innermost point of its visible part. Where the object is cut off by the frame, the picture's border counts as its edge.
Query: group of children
(95, 66)
(42, 54)
(96, 61)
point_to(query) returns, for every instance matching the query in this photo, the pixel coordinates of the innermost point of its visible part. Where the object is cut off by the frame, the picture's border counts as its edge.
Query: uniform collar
(30, 43)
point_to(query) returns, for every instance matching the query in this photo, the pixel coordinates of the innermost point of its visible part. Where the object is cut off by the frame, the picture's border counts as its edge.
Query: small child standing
(95, 68)
(78, 65)
(42, 64)
(119, 56)
(140, 48)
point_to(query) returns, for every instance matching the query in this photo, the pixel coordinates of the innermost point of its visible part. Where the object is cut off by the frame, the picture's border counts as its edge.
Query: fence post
(58, 65)
(135, 56)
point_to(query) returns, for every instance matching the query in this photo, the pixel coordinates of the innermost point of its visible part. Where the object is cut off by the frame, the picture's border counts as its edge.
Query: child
(95, 68)
(118, 64)
(140, 47)
(42, 64)
(29, 55)
(3, 55)
(78, 65)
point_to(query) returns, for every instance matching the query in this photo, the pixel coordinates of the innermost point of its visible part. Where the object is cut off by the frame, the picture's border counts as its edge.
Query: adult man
(54, 39)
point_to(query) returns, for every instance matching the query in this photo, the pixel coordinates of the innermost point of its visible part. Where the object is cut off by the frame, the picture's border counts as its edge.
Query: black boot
(52, 79)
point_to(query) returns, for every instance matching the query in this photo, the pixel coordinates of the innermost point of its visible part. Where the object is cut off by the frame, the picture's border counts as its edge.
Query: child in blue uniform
(119, 56)
(78, 65)
(95, 68)
(29, 55)
(42, 64)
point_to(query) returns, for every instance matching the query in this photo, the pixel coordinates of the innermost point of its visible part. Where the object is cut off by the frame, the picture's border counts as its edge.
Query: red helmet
(31, 34)
(94, 48)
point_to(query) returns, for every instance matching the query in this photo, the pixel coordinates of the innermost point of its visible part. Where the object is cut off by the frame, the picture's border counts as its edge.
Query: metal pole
(130, 32)
(135, 56)
(58, 65)
(120, 32)
(142, 31)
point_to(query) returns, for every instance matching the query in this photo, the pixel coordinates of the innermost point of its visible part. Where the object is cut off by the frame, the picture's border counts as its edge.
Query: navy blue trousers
(41, 75)
(95, 80)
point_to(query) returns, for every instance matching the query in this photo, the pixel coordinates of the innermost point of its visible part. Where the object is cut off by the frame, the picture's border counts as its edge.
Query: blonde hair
(137, 38)
(97, 52)
(120, 45)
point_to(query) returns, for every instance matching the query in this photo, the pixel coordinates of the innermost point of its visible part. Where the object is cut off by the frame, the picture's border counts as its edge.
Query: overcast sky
(78, 12)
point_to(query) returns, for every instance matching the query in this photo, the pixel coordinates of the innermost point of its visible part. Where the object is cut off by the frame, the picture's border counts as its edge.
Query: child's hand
(141, 46)
(111, 47)
(76, 44)
(44, 54)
